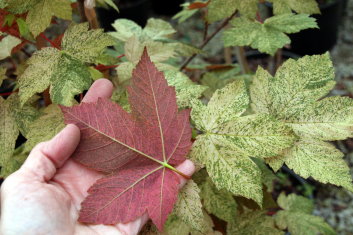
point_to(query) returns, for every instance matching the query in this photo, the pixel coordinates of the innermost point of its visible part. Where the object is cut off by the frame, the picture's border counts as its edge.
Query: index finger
(100, 88)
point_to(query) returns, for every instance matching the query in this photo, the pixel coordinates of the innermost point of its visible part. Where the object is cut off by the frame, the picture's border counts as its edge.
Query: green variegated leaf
(238, 175)
(189, 208)
(20, 6)
(225, 105)
(45, 127)
(218, 202)
(7, 44)
(220, 9)
(185, 89)
(36, 78)
(230, 140)
(297, 218)
(299, 6)
(40, 14)
(23, 115)
(8, 133)
(320, 160)
(13, 163)
(175, 226)
(292, 97)
(85, 45)
(327, 119)
(268, 36)
(70, 78)
(253, 223)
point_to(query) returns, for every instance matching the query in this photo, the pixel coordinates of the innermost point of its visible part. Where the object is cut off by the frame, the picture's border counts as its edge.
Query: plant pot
(318, 41)
(166, 7)
(135, 10)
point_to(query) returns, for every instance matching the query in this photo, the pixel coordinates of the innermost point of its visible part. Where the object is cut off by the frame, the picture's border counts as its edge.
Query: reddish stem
(120, 56)
(50, 41)
(7, 93)
(102, 67)
(259, 18)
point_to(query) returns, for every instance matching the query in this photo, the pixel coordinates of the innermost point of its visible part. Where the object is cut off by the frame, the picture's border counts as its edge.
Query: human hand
(44, 195)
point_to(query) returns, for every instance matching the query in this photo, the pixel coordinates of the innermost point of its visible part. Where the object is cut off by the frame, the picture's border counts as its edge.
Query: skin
(44, 195)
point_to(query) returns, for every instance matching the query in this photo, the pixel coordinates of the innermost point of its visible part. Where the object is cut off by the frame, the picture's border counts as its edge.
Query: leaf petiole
(165, 164)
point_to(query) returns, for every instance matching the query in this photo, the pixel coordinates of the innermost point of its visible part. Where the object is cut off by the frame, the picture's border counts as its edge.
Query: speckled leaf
(218, 202)
(70, 78)
(20, 6)
(40, 14)
(320, 160)
(185, 89)
(238, 175)
(36, 78)
(268, 36)
(8, 132)
(189, 208)
(175, 226)
(226, 104)
(299, 6)
(327, 119)
(23, 115)
(85, 45)
(297, 218)
(253, 223)
(45, 127)
(230, 140)
(220, 9)
(13, 163)
(7, 44)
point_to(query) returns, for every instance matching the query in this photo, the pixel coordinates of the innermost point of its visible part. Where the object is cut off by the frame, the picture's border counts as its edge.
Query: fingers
(100, 88)
(46, 157)
(188, 168)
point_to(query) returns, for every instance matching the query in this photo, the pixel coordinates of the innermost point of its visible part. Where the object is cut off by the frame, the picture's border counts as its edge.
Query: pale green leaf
(85, 45)
(125, 29)
(253, 223)
(23, 115)
(22, 27)
(175, 226)
(45, 127)
(36, 78)
(267, 175)
(189, 208)
(8, 132)
(158, 29)
(275, 162)
(299, 6)
(112, 4)
(13, 163)
(218, 202)
(296, 217)
(320, 160)
(39, 16)
(295, 203)
(7, 44)
(185, 13)
(124, 71)
(185, 89)
(268, 36)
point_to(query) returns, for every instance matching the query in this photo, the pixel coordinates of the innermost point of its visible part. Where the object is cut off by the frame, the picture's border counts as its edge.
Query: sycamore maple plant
(239, 128)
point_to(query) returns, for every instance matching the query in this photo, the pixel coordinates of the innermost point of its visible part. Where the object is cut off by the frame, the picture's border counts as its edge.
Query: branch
(207, 40)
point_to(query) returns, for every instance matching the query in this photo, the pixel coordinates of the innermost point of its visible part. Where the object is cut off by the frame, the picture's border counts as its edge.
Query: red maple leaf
(138, 150)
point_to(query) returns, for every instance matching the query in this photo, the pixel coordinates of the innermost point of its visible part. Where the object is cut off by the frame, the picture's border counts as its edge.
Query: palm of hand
(44, 195)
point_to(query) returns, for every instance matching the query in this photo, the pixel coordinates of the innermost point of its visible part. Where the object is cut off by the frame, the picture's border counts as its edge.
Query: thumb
(46, 157)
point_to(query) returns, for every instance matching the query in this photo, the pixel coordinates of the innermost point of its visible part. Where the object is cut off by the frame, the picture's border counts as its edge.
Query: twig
(225, 22)
(50, 41)
(240, 53)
